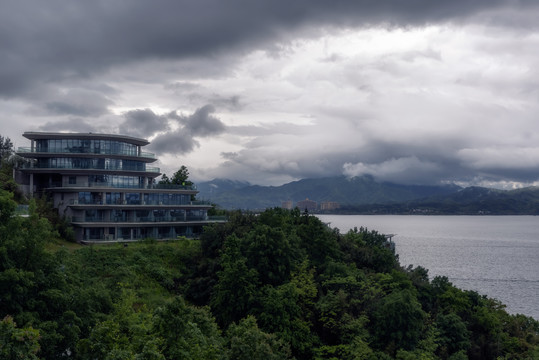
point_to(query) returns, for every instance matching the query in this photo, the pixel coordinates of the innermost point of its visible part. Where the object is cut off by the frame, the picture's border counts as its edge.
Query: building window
(72, 180)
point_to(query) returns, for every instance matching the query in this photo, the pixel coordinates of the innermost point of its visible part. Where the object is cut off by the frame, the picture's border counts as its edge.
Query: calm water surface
(494, 255)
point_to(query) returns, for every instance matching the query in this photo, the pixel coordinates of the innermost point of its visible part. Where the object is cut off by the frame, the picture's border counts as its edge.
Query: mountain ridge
(362, 190)
(365, 195)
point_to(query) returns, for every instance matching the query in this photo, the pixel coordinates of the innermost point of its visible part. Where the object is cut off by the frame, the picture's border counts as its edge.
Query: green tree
(271, 253)
(126, 334)
(368, 249)
(453, 335)
(245, 341)
(6, 147)
(188, 332)
(398, 322)
(317, 240)
(164, 179)
(235, 290)
(280, 311)
(17, 343)
(180, 177)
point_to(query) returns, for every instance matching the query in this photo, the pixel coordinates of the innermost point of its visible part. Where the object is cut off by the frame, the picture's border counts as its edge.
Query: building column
(31, 185)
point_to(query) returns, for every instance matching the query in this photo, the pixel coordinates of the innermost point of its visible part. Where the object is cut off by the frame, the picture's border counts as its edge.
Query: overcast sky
(416, 92)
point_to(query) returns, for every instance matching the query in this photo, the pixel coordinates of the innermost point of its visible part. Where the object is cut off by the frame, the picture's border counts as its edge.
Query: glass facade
(115, 198)
(86, 146)
(116, 181)
(167, 199)
(88, 163)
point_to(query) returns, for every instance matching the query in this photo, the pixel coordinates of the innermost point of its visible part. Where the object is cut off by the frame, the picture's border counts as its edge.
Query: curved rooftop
(59, 135)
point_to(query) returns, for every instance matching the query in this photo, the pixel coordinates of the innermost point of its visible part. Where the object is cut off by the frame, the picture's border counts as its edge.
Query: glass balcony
(174, 186)
(142, 219)
(200, 202)
(90, 167)
(179, 202)
(143, 154)
(148, 155)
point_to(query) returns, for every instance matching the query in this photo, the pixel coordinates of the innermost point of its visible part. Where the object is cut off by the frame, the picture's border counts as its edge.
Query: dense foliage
(180, 177)
(278, 285)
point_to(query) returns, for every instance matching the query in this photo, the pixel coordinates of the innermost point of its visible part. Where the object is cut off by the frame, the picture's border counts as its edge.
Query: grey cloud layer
(421, 114)
(56, 40)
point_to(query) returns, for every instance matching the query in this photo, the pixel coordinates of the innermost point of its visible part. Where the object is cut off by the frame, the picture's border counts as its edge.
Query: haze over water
(497, 256)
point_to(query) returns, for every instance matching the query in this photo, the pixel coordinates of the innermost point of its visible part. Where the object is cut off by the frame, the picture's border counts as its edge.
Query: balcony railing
(147, 155)
(174, 186)
(113, 168)
(105, 184)
(83, 201)
(110, 185)
(142, 219)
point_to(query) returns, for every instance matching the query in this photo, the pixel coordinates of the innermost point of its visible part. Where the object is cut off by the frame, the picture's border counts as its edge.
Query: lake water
(497, 256)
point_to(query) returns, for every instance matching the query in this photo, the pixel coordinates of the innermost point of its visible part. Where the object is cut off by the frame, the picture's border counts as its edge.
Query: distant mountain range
(365, 195)
(346, 191)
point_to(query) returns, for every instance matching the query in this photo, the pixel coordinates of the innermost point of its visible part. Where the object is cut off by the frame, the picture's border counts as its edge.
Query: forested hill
(468, 201)
(276, 285)
(346, 191)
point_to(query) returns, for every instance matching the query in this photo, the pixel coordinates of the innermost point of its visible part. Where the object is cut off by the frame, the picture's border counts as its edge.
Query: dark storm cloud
(200, 124)
(54, 40)
(143, 123)
(80, 103)
(231, 102)
(174, 142)
(198, 94)
(229, 155)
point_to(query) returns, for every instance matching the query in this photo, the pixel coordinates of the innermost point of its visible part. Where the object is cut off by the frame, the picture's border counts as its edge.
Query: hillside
(469, 201)
(346, 191)
(276, 285)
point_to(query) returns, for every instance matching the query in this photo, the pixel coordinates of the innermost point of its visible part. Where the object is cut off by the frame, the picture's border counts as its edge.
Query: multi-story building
(286, 204)
(307, 205)
(329, 205)
(103, 184)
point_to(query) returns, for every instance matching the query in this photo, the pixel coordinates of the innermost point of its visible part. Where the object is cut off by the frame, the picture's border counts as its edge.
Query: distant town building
(286, 204)
(329, 205)
(307, 204)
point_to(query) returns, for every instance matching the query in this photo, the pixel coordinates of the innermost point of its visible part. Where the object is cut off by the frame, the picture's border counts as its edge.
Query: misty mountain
(346, 191)
(210, 189)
